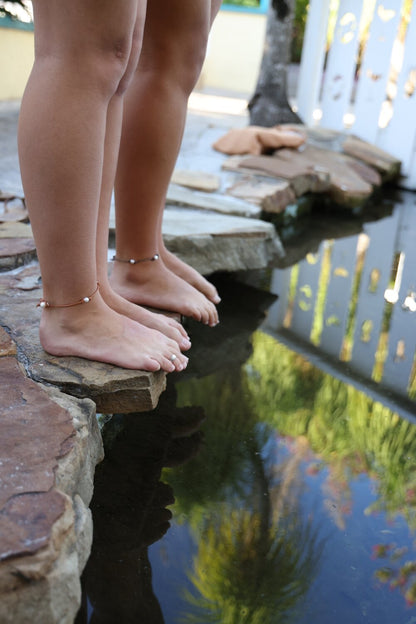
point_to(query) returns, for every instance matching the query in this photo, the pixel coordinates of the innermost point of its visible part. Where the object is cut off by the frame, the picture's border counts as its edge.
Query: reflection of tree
(217, 468)
(256, 556)
(347, 430)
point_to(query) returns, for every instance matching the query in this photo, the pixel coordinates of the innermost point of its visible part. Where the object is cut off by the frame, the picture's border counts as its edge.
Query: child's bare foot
(95, 332)
(167, 326)
(154, 285)
(190, 275)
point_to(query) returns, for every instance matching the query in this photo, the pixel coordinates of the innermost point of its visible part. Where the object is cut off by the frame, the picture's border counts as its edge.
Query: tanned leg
(155, 110)
(81, 60)
(160, 322)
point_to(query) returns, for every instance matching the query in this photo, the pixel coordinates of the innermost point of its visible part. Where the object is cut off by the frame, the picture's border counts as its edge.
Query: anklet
(133, 261)
(45, 304)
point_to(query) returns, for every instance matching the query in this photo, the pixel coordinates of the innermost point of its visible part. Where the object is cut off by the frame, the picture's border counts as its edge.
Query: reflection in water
(129, 511)
(256, 555)
(298, 503)
(355, 299)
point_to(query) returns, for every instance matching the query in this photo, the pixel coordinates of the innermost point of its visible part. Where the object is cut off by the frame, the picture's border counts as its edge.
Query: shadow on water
(293, 472)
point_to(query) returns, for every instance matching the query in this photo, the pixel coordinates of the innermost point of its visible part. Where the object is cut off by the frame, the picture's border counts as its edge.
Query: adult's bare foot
(153, 284)
(167, 326)
(95, 332)
(190, 275)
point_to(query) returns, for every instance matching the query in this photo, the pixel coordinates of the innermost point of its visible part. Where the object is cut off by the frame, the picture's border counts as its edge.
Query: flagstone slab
(49, 447)
(385, 163)
(214, 202)
(198, 180)
(113, 389)
(17, 246)
(211, 242)
(270, 195)
(315, 170)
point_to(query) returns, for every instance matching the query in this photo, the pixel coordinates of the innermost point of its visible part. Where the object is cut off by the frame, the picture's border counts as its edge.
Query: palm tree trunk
(269, 104)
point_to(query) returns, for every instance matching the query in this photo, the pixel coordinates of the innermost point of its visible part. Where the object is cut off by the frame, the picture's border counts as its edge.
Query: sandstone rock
(213, 202)
(198, 180)
(386, 164)
(272, 196)
(113, 389)
(311, 169)
(50, 445)
(17, 246)
(12, 207)
(7, 345)
(212, 242)
(383, 162)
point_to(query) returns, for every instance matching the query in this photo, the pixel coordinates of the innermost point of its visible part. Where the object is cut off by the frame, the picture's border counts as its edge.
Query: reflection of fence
(356, 299)
(367, 82)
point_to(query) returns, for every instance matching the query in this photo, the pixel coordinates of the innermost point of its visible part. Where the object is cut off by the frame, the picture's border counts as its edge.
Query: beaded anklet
(45, 304)
(133, 261)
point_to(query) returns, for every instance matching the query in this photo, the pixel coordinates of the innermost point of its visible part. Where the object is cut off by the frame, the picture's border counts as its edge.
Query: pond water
(276, 480)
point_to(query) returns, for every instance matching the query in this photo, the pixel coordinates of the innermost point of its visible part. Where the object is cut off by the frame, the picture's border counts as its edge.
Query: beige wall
(234, 53)
(16, 53)
(233, 58)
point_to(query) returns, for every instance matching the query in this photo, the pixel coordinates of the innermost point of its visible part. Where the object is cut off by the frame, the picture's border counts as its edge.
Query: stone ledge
(50, 447)
(112, 389)
(212, 242)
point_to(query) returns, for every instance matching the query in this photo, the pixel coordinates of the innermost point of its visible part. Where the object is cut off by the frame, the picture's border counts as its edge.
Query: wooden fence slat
(280, 285)
(338, 296)
(402, 334)
(311, 66)
(374, 73)
(370, 304)
(399, 136)
(305, 299)
(341, 65)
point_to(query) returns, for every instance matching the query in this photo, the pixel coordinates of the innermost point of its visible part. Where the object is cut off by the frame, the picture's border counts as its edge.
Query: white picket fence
(381, 261)
(375, 101)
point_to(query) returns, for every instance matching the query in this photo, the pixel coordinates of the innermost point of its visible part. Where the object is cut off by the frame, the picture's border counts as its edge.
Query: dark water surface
(276, 480)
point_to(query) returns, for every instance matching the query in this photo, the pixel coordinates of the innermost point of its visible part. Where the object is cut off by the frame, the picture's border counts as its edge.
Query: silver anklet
(133, 261)
(46, 304)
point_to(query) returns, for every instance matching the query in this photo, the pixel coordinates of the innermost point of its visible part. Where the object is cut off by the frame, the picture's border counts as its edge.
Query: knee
(104, 66)
(132, 62)
(192, 62)
(176, 60)
(116, 65)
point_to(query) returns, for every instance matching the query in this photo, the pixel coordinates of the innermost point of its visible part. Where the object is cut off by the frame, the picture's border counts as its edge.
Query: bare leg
(160, 322)
(155, 111)
(82, 60)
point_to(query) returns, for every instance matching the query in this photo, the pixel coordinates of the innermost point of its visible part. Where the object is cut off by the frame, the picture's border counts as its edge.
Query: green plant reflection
(256, 556)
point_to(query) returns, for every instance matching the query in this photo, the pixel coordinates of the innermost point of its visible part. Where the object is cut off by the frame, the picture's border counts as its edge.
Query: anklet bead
(45, 304)
(134, 261)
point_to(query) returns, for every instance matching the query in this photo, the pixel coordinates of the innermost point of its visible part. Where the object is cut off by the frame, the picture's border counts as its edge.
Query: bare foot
(95, 332)
(167, 326)
(152, 284)
(190, 275)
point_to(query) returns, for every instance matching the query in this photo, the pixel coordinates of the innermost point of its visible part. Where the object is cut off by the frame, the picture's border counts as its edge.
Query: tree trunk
(269, 105)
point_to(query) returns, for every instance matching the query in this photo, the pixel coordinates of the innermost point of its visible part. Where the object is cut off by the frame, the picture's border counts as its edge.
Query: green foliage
(244, 3)
(350, 432)
(299, 23)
